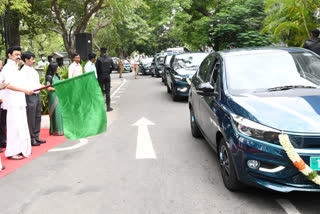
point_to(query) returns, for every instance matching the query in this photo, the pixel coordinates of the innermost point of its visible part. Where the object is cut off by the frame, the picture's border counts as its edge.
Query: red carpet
(52, 141)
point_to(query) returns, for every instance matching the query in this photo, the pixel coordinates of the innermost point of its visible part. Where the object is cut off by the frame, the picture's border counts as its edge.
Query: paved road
(107, 176)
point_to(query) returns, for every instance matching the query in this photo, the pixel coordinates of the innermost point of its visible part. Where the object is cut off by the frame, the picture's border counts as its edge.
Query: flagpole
(42, 88)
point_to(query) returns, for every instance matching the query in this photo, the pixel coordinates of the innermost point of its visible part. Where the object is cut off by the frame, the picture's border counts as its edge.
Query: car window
(215, 77)
(204, 67)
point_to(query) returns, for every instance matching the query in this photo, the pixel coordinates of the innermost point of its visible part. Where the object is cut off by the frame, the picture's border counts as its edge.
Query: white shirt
(31, 78)
(43, 64)
(90, 67)
(74, 70)
(11, 74)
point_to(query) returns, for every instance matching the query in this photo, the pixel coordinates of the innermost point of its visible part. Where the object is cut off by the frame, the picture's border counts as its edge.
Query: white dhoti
(18, 136)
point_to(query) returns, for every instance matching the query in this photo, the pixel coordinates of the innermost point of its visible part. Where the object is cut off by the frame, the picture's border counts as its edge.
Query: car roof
(194, 52)
(259, 50)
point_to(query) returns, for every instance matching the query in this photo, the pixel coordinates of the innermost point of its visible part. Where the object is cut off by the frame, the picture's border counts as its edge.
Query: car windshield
(160, 60)
(168, 59)
(189, 60)
(147, 61)
(278, 70)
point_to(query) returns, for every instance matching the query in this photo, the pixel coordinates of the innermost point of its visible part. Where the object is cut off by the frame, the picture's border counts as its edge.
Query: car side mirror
(206, 89)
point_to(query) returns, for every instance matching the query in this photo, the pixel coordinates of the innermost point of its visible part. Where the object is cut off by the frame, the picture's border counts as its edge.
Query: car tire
(173, 94)
(227, 168)
(195, 131)
(168, 89)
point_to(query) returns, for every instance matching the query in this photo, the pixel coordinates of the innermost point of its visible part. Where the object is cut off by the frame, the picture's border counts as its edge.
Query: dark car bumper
(158, 72)
(146, 71)
(272, 158)
(181, 88)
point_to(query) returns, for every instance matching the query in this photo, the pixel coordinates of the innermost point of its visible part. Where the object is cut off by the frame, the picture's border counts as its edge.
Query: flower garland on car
(297, 160)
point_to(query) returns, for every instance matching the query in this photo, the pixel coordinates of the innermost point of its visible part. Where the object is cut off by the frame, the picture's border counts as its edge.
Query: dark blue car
(241, 100)
(182, 67)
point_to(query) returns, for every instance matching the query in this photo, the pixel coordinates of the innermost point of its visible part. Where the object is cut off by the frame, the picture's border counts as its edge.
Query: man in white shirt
(14, 101)
(43, 63)
(75, 68)
(90, 66)
(32, 82)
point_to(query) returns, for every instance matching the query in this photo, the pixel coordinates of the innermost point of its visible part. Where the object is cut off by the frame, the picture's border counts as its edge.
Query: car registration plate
(315, 163)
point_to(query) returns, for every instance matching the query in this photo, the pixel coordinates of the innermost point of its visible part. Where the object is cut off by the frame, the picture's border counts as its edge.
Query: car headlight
(256, 130)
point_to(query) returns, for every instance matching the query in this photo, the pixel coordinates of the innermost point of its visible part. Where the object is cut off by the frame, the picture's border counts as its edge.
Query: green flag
(82, 106)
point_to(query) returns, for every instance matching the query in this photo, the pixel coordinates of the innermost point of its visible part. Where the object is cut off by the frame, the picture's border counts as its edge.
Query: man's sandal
(15, 157)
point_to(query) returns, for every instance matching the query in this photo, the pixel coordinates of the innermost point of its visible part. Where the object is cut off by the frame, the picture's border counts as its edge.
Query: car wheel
(168, 89)
(152, 74)
(173, 94)
(194, 126)
(227, 168)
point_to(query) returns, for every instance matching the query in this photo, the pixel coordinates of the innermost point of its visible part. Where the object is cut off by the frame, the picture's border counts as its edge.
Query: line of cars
(126, 65)
(241, 100)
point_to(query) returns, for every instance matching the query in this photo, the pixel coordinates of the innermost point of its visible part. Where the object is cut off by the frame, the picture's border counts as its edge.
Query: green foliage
(63, 72)
(291, 21)
(44, 97)
(239, 22)
(21, 6)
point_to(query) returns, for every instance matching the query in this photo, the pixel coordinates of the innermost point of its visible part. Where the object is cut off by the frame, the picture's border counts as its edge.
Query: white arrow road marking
(82, 143)
(288, 206)
(144, 144)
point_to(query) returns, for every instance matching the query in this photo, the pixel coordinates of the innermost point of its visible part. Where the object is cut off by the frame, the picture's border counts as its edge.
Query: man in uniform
(120, 67)
(313, 44)
(104, 67)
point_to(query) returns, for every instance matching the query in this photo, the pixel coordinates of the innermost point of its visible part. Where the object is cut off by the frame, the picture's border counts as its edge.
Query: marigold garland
(297, 160)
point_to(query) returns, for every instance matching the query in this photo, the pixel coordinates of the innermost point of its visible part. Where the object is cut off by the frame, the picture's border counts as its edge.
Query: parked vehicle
(166, 67)
(182, 67)
(157, 65)
(115, 63)
(145, 66)
(127, 66)
(242, 99)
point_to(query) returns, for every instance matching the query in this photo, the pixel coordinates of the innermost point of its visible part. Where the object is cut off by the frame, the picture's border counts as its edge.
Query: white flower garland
(297, 160)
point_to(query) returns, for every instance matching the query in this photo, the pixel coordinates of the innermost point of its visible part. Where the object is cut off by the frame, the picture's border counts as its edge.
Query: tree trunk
(14, 33)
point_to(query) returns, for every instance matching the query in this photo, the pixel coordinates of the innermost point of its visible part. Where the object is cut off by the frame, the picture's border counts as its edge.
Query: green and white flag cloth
(82, 106)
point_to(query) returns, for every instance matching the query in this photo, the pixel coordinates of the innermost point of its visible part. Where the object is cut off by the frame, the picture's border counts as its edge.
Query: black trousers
(106, 83)
(3, 123)
(34, 115)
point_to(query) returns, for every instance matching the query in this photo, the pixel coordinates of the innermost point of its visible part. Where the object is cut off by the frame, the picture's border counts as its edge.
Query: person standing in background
(75, 68)
(90, 66)
(56, 123)
(104, 67)
(313, 44)
(120, 67)
(43, 63)
(136, 66)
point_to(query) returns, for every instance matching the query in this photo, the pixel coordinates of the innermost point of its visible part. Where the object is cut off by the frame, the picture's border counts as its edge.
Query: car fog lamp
(253, 164)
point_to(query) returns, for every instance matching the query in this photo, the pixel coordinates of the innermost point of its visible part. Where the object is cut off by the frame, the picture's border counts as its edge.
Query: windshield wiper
(288, 87)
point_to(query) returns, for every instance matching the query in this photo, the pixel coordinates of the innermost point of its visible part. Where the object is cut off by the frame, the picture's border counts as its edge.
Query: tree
(70, 17)
(239, 22)
(12, 11)
(290, 21)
